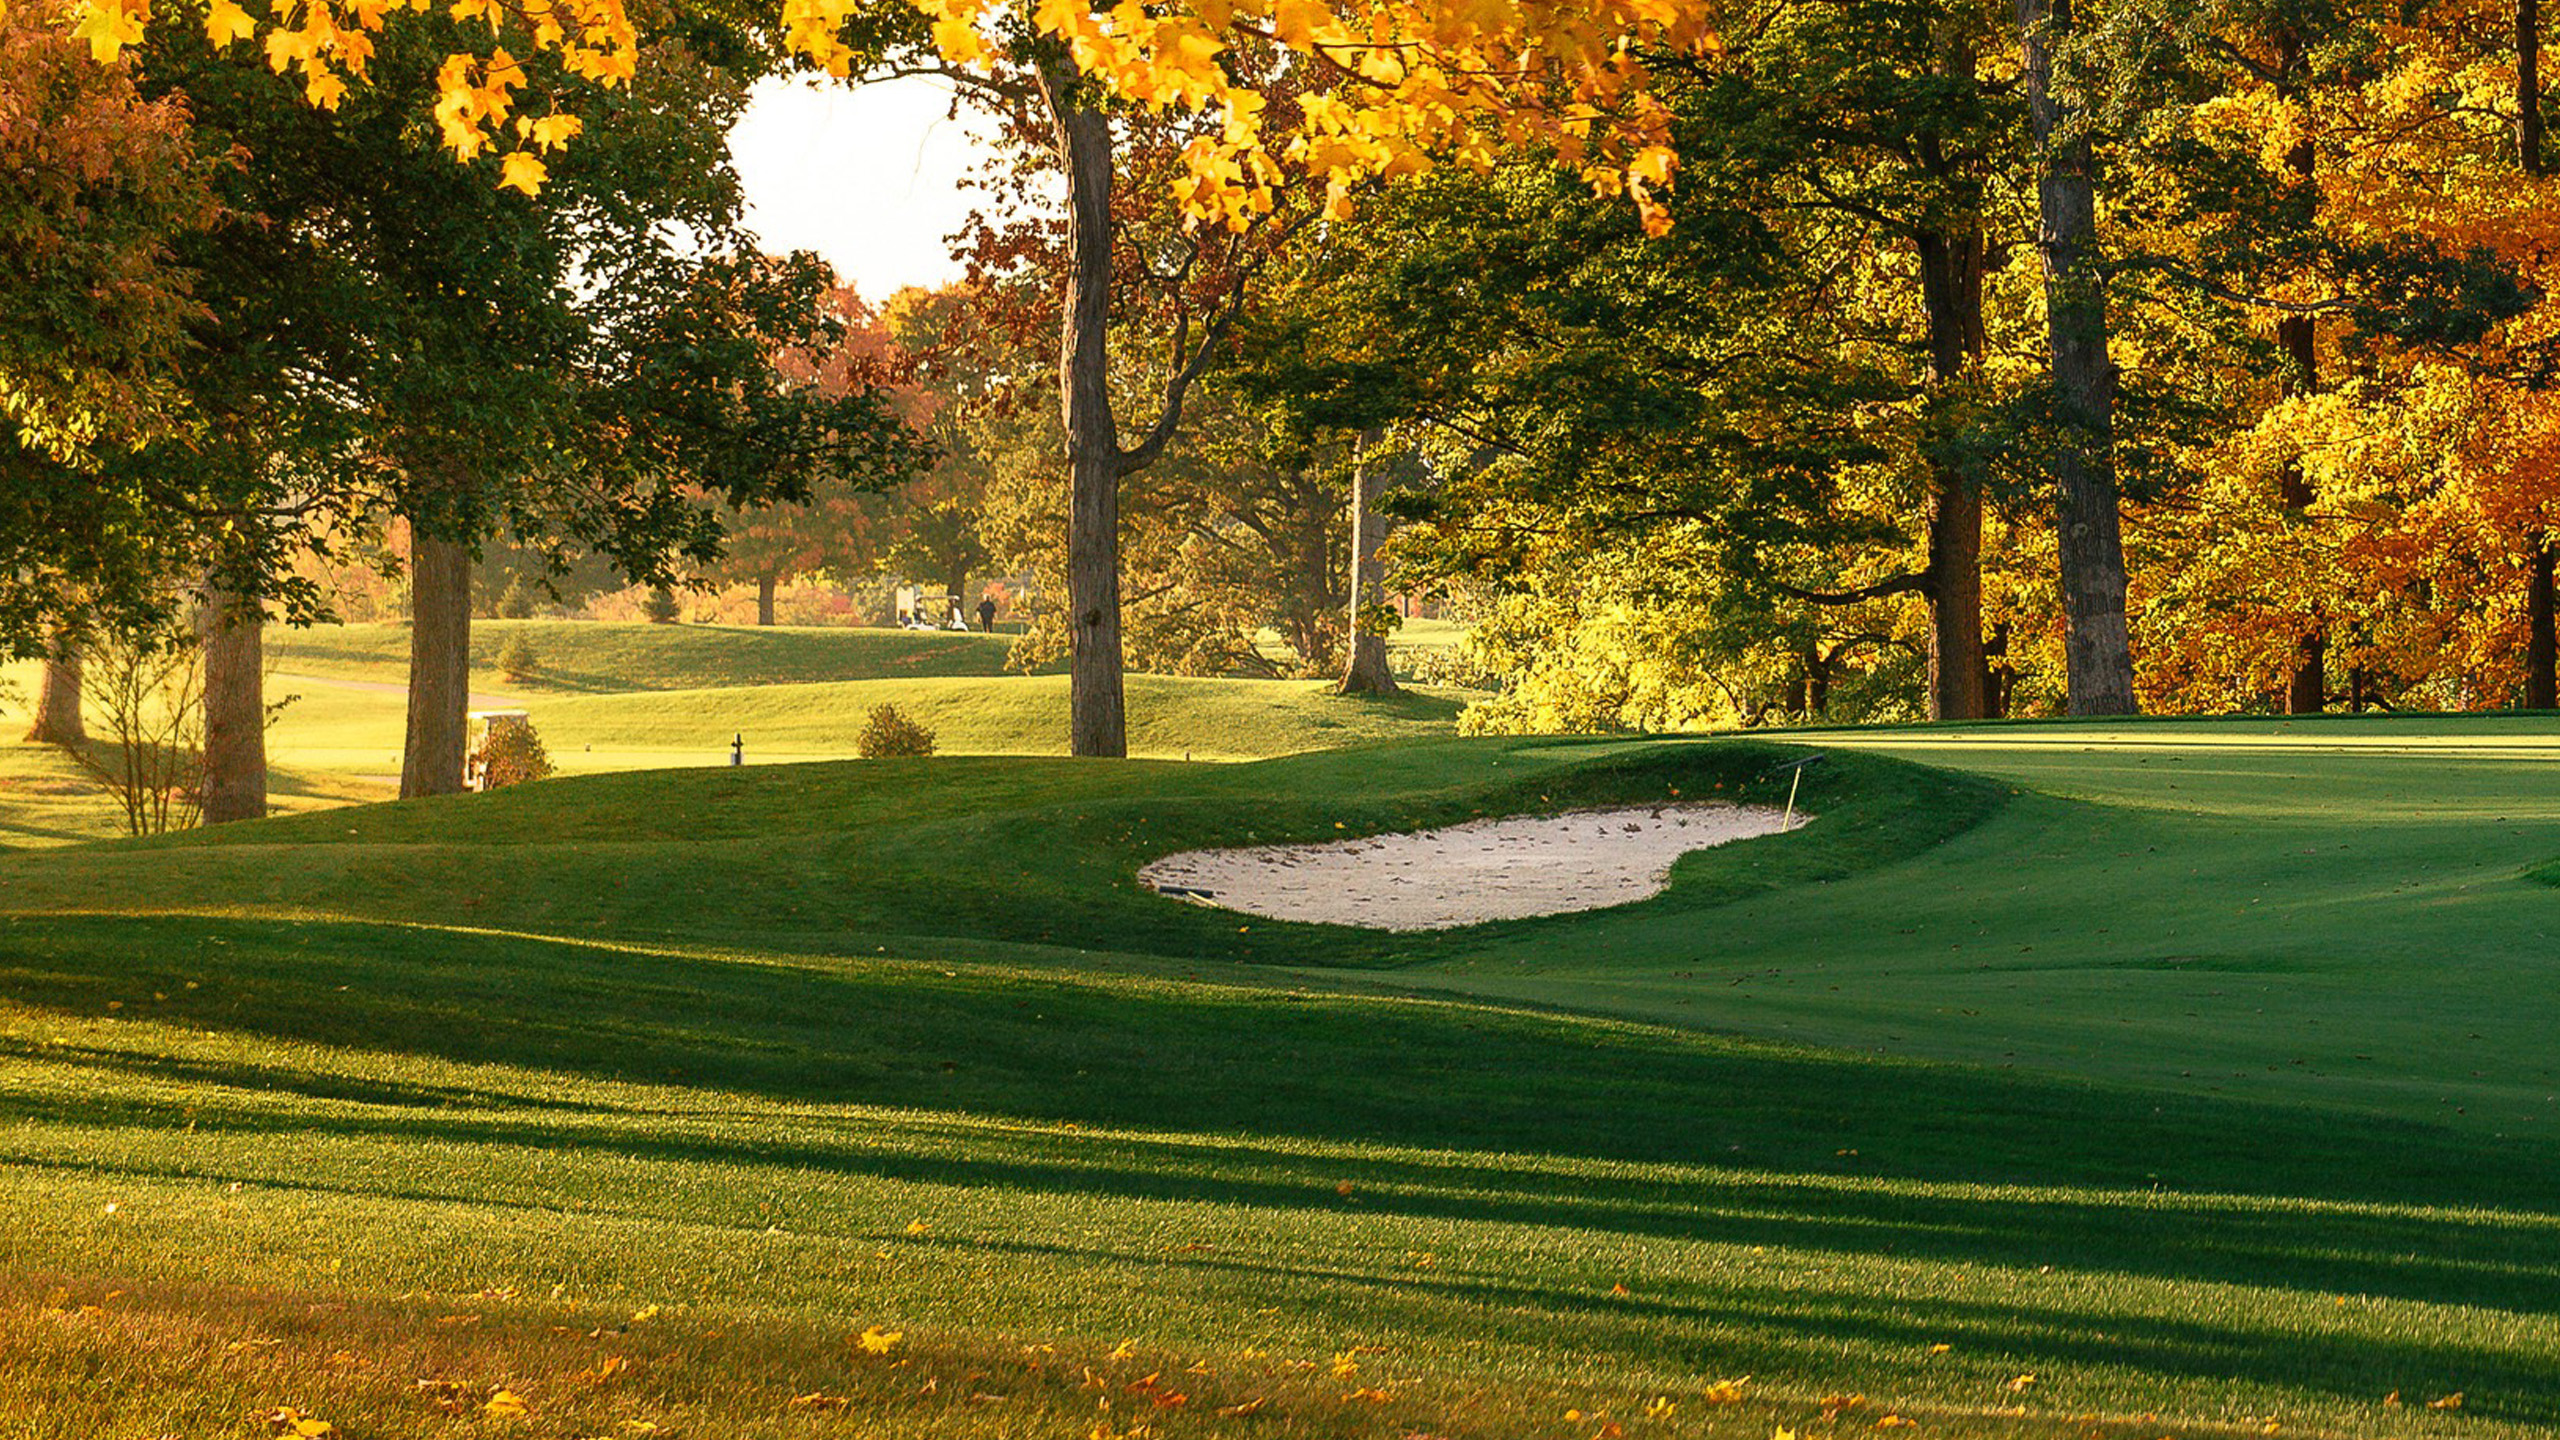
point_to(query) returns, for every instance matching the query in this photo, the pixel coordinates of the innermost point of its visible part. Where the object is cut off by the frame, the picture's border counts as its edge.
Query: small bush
(891, 733)
(661, 606)
(516, 602)
(511, 755)
(516, 659)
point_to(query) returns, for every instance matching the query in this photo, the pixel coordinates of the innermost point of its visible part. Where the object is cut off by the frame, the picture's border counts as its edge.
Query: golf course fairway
(2129, 1080)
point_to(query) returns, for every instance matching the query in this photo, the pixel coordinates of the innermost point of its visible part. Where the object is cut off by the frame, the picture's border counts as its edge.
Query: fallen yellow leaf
(504, 1404)
(876, 1341)
(1726, 1392)
(2446, 1402)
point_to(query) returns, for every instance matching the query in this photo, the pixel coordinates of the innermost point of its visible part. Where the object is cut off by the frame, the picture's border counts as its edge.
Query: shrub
(661, 606)
(511, 755)
(516, 601)
(891, 733)
(516, 659)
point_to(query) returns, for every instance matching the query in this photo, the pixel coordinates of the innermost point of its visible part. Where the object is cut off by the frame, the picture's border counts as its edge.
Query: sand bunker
(1506, 869)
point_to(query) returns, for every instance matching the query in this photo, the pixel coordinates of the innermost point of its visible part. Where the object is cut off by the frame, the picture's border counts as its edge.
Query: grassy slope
(624, 697)
(833, 1002)
(588, 657)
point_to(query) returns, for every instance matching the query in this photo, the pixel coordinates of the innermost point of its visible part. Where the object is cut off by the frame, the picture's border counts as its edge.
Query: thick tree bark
(58, 719)
(1999, 679)
(1097, 720)
(765, 586)
(2542, 627)
(2097, 650)
(2307, 688)
(233, 628)
(439, 665)
(1367, 672)
(2539, 691)
(1951, 268)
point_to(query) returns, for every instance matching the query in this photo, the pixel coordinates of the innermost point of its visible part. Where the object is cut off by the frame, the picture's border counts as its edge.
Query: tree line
(1867, 358)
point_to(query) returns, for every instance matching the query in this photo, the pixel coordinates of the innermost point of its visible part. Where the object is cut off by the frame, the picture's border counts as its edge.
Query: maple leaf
(2446, 1402)
(108, 27)
(225, 22)
(1661, 1408)
(1726, 1392)
(1833, 1406)
(505, 1404)
(521, 171)
(285, 1420)
(876, 1341)
(1897, 1422)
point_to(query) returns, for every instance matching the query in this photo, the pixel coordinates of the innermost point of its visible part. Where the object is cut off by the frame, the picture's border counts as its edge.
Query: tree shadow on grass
(1798, 1321)
(1787, 1146)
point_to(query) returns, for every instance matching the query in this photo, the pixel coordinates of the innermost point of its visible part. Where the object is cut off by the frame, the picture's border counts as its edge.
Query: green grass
(630, 697)
(2199, 1071)
(579, 656)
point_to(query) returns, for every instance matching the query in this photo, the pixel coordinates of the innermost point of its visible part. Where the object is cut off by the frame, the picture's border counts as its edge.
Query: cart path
(478, 701)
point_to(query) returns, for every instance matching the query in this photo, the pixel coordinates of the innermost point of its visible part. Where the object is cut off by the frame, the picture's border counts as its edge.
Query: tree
(1425, 77)
(1366, 671)
(590, 370)
(96, 183)
(57, 714)
(2097, 649)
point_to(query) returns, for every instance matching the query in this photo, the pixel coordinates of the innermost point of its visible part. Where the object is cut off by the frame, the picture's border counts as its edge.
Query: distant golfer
(986, 612)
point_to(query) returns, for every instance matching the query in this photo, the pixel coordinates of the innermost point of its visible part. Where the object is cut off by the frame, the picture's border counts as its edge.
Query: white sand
(1506, 869)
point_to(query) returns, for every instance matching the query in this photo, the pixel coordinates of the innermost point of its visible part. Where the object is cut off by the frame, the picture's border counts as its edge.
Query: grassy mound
(983, 849)
(589, 656)
(2120, 1082)
(1170, 717)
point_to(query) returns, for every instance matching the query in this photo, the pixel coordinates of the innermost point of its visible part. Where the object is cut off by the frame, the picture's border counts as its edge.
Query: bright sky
(867, 176)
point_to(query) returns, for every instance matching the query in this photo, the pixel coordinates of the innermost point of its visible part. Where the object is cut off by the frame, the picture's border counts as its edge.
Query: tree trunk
(2097, 651)
(765, 586)
(439, 665)
(58, 719)
(2306, 690)
(1097, 722)
(1953, 258)
(2542, 630)
(1367, 672)
(1957, 667)
(233, 629)
(1999, 678)
(2539, 691)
